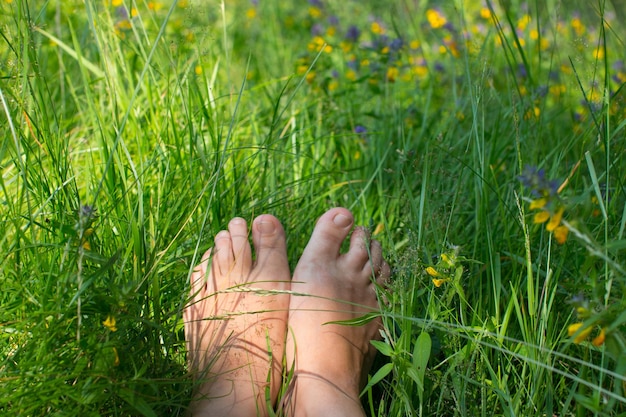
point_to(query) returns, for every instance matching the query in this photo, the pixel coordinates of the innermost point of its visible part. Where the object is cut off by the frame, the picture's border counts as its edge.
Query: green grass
(132, 134)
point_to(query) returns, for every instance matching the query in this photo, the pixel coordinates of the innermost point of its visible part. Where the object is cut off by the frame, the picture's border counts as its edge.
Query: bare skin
(331, 361)
(235, 322)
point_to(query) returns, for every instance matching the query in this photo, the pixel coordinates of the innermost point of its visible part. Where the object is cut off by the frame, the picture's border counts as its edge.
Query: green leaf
(421, 354)
(378, 376)
(382, 347)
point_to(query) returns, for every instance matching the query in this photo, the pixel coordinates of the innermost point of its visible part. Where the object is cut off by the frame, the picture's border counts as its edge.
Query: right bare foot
(331, 361)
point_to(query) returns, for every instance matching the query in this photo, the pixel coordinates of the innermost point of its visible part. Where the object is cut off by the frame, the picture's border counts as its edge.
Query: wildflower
(116, 3)
(438, 282)
(318, 43)
(392, 74)
(352, 34)
(433, 272)
(360, 130)
(110, 323)
(155, 5)
(560, 234)
(578, 331)
(314, 12)
(485, 13)
(377, 28)
(535, 180)
(523, 22)
(546, 201)
(116, 361)
(578, 26)
(541, 217)
(436, 18)
(599, 339)
(555, 220)
(85, 239)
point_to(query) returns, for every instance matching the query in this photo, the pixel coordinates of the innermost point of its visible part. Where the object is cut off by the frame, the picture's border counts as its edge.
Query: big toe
(329, 233)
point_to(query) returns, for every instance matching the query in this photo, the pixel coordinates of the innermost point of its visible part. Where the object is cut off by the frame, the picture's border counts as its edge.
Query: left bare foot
(235, 321)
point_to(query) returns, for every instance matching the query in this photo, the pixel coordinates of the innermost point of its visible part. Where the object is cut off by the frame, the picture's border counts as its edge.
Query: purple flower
(396, 44)
(333, 20)
(316, 3)
(360, 130)
(317, 29)
(353, 33)
(535, 180)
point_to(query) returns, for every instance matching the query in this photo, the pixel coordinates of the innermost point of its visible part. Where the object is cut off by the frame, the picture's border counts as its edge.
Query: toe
(198, 278)
(329, 233)
(242, 252)
(268, 237)
(358, 255)
(373, 267)
(223, 259)
(384, 277)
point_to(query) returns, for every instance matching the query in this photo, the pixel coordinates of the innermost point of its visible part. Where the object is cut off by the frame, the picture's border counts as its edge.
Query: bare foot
(331, 361)
(235, 322)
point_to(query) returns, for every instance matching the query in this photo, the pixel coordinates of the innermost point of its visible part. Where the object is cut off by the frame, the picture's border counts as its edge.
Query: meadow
(483, 143)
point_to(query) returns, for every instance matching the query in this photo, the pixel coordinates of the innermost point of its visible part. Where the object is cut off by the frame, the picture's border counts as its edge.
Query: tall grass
(133, 131)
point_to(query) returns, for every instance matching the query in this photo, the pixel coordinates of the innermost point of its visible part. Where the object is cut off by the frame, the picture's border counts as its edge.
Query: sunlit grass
(483, 145)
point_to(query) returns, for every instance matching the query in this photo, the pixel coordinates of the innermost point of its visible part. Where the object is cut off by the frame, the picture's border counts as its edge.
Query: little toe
(242, 252)
(198, 277)
(329, 233)
(384, 275)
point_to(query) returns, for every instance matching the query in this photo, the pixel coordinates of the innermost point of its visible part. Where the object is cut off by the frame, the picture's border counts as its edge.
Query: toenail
(342, 221)
(266, 227)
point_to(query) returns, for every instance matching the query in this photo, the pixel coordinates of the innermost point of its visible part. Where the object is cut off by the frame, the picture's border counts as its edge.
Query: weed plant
(482, 143)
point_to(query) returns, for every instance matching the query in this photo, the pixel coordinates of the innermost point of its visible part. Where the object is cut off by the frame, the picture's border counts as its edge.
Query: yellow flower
(485, 13)
(447, 260)
(109, 323)
(155, 5)
(538, 203)
(555, 220)
(523, 22)
(377, 28)
(575, 329)
(599, 339)
(433, 272)
(560, 234)
(439, 282)
(541, 217)
(392, 74)
(435, 18)
(314, 12)
(116, 362)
